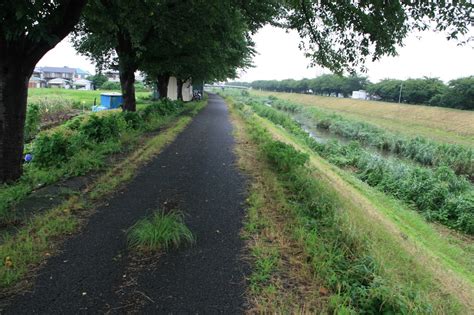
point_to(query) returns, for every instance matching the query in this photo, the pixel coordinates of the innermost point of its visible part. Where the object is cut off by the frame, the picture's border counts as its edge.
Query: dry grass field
(440, 124)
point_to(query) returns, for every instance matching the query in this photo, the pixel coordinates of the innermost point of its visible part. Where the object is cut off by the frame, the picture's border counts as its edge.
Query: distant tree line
(325, 84)
(457, 93)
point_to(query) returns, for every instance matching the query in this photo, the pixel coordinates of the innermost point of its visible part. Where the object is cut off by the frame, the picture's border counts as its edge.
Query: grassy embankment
(409, 255)
(440, 124)
(68, 147)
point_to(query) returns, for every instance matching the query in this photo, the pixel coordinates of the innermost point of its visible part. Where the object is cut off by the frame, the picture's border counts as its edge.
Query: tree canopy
(342, 35)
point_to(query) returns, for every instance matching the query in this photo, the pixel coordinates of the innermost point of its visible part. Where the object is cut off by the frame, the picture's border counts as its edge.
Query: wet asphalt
(198, 175)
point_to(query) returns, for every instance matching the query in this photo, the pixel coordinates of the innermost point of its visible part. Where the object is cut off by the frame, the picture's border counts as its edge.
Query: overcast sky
(426, 54)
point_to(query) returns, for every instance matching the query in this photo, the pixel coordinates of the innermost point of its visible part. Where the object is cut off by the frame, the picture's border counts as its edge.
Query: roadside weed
(162, 231)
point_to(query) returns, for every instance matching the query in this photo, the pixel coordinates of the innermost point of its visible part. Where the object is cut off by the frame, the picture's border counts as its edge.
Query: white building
(59, 83)
(361, 95)
(82, 84)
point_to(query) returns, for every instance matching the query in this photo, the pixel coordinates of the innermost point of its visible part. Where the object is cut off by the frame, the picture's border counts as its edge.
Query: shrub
(283, 156)
(51, 150)
(110, 86)
(99, 129)
(32, 123)
(134, 120)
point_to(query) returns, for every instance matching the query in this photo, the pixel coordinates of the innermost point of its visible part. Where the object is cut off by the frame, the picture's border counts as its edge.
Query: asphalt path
(198, 175)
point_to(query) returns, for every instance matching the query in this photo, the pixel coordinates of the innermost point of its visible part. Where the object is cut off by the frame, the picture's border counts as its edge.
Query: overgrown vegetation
(37, 239)
(437, 193)
(162, 231)
(84, 144)
(426, 152)
(338, 256)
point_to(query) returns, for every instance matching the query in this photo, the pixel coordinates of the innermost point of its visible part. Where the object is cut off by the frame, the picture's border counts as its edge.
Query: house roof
(36, 79)
(57, 69)
(57, 81)
(81, 82)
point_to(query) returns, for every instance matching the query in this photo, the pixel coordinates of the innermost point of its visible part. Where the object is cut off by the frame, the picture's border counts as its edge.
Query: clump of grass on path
(162, 231)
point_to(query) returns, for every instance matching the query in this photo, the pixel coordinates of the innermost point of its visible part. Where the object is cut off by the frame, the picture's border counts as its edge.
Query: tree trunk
(19, 53)
(13, 96)
(127, 68)
(180, 88)
(127, 84)
(162, 84)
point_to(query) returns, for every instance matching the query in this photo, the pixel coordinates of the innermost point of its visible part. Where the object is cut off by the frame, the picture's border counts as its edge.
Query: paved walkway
(196, 173)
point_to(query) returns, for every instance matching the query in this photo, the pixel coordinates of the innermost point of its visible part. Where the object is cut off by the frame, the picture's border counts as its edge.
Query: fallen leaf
(323, 291)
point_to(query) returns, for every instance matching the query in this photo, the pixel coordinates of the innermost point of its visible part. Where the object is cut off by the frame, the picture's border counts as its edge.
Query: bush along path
(196, 175)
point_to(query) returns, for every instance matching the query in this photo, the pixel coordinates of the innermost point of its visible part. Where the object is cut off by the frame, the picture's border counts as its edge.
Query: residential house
(36, 82)
(81, 74)
(59, 83)
(82, 84)
(112, 75)
(59, 77)
(48, 73)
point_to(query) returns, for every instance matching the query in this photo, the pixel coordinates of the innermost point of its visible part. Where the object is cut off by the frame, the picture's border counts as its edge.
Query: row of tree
(457, 93)
(201, 39)
(325, 84)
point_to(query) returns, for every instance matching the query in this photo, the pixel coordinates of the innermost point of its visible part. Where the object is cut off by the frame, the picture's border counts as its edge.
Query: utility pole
(400, 94)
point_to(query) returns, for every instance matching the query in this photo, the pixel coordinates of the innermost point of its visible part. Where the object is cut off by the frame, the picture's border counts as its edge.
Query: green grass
(265, 262)
(35, 241)
(162, 231)
(74, 97)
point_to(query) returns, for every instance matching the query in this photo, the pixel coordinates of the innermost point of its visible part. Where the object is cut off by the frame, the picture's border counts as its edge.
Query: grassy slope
(410, 249)
(282, 281)
(440, 124)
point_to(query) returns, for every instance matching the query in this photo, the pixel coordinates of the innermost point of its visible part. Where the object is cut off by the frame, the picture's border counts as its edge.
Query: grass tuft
(160, 232)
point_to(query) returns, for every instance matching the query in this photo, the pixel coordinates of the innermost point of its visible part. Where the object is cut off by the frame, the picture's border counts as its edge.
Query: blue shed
(111, 100)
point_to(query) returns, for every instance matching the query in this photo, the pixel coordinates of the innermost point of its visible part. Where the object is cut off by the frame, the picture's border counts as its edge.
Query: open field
(79, 97)
(440, 124)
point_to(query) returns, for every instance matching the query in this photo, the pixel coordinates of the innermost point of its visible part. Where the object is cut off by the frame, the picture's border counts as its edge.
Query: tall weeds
(337, 255)
(426, 152)
(438, 193)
